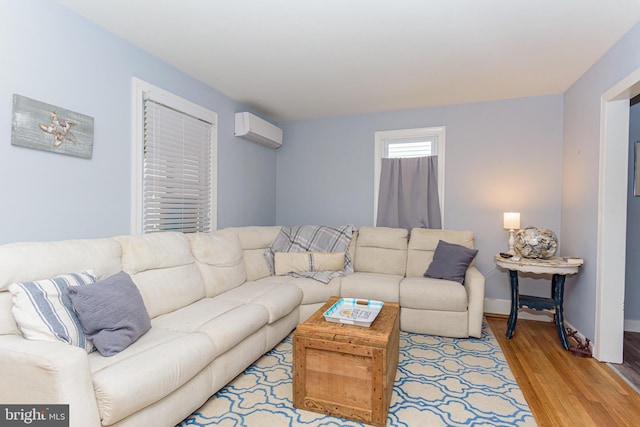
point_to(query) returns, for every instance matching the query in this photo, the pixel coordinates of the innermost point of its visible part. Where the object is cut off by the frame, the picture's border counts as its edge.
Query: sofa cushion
(219, 256)
(164, 270)
(8, 323)
(154, 250)
(193, 316)
(228, 330)
(31, 261)
(112, 313)
(316, 292)
(450, 262)
(160, 362)
(43, 310)
(432, 294)
(226, 322)
(287, 262)
(278, 297)
(255, 240)
(423, 243)
(381, 250)
(168, 289)
(376, 286)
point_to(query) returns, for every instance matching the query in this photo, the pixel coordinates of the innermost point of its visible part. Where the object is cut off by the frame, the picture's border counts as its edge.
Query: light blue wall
(55, 56)
(582, 105)
(632, 273)
(503, 155)
(500, 156)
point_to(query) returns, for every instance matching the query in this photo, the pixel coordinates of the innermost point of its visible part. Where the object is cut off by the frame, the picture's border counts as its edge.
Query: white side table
(558, 268)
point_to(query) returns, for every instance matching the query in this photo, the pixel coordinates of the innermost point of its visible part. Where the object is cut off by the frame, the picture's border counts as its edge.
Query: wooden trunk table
(344, 370)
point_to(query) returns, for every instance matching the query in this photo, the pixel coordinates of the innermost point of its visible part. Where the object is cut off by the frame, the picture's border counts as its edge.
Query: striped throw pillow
(43, 309)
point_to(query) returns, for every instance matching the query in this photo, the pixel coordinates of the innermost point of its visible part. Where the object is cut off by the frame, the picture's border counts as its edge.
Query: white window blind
(409, 147)
(177, 171)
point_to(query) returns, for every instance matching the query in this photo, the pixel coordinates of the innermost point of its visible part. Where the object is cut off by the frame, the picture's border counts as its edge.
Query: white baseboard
(503, 306)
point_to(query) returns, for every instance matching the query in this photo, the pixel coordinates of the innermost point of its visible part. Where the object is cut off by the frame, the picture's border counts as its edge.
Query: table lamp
(511, 222)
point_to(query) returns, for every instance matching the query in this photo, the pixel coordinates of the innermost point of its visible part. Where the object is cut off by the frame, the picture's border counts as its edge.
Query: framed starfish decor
(46, 127)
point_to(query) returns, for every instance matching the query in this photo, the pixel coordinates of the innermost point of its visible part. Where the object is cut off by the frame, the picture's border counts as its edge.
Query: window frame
(142, 91)
(381, 139)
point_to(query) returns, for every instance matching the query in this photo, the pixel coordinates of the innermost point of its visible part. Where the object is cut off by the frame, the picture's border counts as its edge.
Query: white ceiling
(300, 59)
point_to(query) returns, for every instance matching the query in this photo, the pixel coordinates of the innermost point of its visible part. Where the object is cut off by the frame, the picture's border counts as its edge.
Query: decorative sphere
(534, 242)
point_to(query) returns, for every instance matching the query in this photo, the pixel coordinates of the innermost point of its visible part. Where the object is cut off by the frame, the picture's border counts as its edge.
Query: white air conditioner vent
(255, 129)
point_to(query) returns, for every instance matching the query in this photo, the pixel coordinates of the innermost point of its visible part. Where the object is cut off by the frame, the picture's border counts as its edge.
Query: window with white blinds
(176, 165)
(410, 147)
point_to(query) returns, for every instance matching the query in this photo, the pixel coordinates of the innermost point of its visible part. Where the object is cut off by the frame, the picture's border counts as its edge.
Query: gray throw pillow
(111, 312)
(450, 262)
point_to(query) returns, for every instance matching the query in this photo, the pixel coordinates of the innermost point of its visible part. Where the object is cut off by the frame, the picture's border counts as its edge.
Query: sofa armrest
(43, 372)
(474, 283)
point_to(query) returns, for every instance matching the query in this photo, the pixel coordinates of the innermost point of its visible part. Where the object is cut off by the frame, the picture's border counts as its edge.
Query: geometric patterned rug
(440, 382)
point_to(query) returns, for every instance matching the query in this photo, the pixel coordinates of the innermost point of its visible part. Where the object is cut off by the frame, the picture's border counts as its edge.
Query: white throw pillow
(43, 309)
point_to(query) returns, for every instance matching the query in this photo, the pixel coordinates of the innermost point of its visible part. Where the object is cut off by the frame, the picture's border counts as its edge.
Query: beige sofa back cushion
(255, 240)
(381, 250)
(163, 268)
(219, 257)
(423, 243)
(26, 262)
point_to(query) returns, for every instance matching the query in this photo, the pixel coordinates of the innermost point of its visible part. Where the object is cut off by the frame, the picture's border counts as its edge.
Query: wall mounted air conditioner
(255, 129)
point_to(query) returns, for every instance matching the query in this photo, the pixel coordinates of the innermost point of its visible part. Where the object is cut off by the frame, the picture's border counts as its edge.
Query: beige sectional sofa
(215, 308)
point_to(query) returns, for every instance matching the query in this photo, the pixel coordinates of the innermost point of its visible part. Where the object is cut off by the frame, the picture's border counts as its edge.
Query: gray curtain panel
(408, 194)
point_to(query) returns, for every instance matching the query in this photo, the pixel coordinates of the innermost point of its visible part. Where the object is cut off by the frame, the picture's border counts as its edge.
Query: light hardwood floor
(560, 388)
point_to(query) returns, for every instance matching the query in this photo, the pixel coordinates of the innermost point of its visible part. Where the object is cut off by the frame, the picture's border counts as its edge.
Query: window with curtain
(176, 165)
(409, 178)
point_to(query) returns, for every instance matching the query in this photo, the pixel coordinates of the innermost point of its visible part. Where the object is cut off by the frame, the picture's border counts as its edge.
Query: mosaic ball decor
(536, 242)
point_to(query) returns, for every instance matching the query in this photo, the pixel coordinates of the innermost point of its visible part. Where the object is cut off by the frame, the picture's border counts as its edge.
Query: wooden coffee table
(345, 370)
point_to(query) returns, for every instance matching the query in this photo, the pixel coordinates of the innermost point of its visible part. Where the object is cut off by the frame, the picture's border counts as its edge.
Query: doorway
(630, 367)
(612, 199)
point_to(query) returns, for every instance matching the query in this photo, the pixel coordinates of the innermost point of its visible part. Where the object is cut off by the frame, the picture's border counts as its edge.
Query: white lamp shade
(511, 220)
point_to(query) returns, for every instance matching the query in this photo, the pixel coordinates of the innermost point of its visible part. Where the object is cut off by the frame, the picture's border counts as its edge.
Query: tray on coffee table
(354, 311)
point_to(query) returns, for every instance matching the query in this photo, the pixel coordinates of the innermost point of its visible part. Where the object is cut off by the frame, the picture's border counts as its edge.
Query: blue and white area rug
(440, 382)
